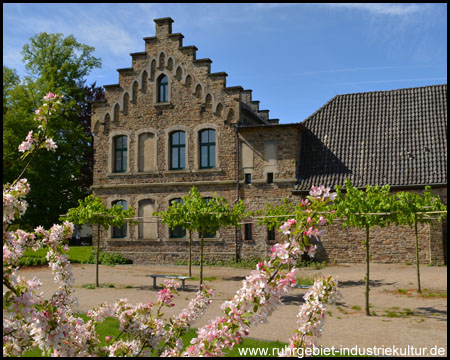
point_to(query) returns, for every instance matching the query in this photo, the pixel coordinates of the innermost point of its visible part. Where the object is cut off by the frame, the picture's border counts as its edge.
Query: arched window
(119, 233)
(116, 113)
(177, 231)
(144, 81)
(126, 100)
(120, 153)
(163, 89)
(177, 150)
(207, 149)
(134, 92)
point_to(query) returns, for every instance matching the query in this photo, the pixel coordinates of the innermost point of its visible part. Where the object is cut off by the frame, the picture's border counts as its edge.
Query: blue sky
(295, 57)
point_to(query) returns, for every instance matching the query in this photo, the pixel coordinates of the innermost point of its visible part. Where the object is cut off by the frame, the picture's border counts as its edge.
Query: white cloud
(381, 9)
(373, 8)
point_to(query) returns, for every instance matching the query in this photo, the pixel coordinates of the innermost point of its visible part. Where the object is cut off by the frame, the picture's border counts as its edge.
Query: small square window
(270, 178)
(248, 178)
(271, 235)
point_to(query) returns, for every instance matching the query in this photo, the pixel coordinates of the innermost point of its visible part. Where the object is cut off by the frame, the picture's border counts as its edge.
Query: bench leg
(182, 284)
(154, 283)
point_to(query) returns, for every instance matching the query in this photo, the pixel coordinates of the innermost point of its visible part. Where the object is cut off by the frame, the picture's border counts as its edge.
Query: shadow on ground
(431, 312)
(372, 283)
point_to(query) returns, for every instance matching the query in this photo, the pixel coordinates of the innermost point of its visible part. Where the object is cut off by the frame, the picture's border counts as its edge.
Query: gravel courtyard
(403, 319)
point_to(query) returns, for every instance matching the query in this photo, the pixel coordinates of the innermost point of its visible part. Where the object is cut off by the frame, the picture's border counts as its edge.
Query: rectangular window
(120, 233)
(207, 149)
(271, 235)
(248, 178)
(178, 150)
(177, 232)
(120, 153)
(248, 231)
(270, 178)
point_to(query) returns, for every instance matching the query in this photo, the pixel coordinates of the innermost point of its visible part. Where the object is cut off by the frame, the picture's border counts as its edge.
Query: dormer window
(163, 89)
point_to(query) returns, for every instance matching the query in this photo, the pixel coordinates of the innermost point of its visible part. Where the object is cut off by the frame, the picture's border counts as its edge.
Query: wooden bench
(177, 277)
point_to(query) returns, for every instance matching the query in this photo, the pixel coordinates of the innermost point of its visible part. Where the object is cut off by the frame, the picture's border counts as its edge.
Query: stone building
(170, 124)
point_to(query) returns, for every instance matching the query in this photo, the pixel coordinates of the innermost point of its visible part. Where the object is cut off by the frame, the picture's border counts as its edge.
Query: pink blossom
(49, 96)
(50, 144)
(52, 326)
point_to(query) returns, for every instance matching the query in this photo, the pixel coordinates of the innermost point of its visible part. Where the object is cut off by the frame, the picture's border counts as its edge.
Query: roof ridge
(392, 90)
(368, 92)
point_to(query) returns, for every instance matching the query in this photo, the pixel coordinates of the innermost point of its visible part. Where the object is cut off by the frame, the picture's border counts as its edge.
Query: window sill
(207, 170)
(119, 174)
(153, 172)
(212, 239)
(163, 105)
(183, 171)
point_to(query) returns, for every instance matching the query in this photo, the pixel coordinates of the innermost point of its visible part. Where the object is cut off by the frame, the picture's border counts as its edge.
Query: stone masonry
(245, 138)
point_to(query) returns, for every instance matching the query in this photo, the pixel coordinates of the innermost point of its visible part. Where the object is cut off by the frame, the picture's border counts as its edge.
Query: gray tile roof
(396, 137)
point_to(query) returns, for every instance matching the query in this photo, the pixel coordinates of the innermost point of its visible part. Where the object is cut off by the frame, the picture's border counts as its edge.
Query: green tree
(205, 216)
(92, 211)
(362, 209)
(412, 208)
(10, 81)
(58, 179)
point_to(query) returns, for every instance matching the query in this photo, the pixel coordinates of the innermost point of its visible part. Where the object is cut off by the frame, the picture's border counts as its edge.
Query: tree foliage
(412, 209)
(362, 209)
(58, 179)
(195, 213)
(92, 211)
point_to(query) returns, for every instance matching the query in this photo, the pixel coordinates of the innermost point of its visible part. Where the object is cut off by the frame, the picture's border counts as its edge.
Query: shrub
(109, 259)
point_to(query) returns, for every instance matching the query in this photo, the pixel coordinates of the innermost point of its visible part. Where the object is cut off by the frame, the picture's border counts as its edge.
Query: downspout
(238, 188)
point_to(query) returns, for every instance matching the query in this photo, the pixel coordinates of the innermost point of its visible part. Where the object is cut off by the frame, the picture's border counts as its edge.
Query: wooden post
(201, 261)
(417, 254)
(367, 271)
(190, 253)
(98, 252)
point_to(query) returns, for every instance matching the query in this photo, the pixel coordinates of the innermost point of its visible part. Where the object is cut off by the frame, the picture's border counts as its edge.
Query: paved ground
(414, 321)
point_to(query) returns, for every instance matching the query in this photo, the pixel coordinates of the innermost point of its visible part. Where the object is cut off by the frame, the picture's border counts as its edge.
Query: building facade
(170, 124)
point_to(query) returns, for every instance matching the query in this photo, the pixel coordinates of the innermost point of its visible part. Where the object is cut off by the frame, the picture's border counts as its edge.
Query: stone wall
(199, 99)
(393, 244)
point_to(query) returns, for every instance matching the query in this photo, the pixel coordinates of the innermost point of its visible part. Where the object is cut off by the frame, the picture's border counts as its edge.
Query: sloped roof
(396, 137)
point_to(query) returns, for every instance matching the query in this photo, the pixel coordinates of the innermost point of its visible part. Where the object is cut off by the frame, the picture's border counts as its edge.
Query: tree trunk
(201, 261)
(236, 245)
(190, 253)
(417, 254)
(98, 254)
(367, 270)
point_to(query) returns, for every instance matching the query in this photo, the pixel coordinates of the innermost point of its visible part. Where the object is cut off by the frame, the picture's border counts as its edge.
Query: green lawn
(110, 327)
(77, 254)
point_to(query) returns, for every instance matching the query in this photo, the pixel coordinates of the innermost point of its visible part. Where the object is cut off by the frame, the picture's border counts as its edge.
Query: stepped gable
(172, 57)
(396, 137)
